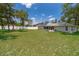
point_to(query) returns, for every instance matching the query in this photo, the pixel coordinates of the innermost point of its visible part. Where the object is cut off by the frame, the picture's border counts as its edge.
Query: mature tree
(2, 11)
(22, 15)
(70, 11)
(7, 12)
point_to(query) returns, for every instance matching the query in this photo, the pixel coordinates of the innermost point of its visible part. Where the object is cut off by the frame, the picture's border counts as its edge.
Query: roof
(59, 24)
(40, 24)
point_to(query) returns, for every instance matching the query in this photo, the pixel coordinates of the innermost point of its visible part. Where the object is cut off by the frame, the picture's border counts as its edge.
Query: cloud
(27, 5)
(33, 18)
(50, 19)
(50, 16)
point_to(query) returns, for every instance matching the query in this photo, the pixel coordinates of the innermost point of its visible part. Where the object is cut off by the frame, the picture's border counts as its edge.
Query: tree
(67, 13)
(2, 11)
(70, 11)
(22, 15)
(7, 12)
(10, 14)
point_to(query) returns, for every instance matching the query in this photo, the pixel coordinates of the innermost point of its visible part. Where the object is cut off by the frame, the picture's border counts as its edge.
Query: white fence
(32, 28)
(20, 27)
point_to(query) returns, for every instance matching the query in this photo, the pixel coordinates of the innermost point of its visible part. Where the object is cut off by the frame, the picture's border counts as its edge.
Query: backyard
(38, 43)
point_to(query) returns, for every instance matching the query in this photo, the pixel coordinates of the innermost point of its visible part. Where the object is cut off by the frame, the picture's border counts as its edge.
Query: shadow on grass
(8, 31)
(66, 33)
(5, 36)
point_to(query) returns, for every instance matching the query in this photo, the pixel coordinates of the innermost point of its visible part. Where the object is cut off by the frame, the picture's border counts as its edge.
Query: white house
(61, 26)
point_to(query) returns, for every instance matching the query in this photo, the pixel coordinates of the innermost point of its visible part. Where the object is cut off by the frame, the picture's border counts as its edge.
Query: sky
(40, 12)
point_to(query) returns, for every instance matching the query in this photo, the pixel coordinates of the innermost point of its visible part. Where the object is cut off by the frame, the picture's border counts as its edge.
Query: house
(61, 26)
(39, 25)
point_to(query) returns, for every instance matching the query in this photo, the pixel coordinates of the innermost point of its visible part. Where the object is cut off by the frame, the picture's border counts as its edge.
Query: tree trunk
(75, 19)
(22, 24)
(8, 22)
(8, 27)
(13, 27)
(2, 25)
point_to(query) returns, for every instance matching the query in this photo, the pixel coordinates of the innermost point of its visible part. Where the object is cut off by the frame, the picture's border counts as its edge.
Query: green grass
(38, 43)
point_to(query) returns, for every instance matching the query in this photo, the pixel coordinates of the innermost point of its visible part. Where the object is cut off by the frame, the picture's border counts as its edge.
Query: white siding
(63, 29)
(60, 28)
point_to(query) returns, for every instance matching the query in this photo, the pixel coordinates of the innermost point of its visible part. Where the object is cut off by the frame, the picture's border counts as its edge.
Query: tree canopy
(70, 13)
(8, 12)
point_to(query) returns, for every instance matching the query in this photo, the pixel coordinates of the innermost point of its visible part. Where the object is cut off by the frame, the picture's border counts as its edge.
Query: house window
(66, 28)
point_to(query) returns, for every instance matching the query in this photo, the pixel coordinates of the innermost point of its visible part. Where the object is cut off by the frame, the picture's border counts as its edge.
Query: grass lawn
(38, 42)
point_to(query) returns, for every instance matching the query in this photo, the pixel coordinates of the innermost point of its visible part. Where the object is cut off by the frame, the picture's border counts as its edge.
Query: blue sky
(40, 12)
